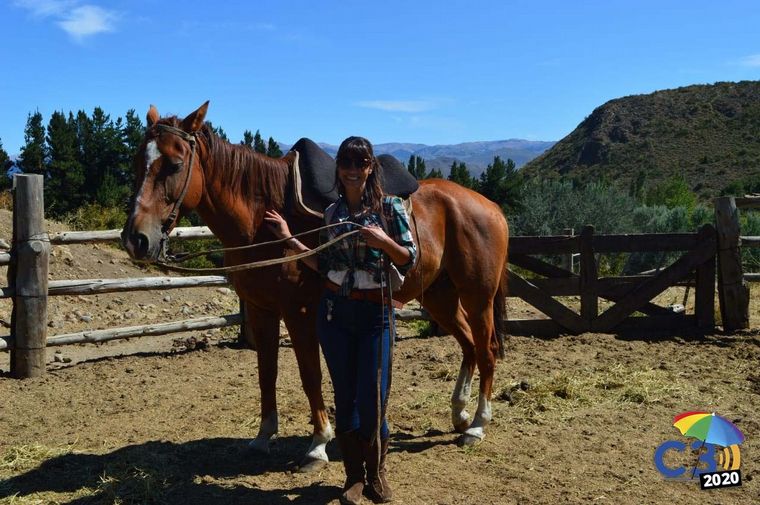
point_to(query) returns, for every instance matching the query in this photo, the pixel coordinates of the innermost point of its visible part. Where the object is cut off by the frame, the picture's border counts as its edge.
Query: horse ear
(152, 115)
(194, 121)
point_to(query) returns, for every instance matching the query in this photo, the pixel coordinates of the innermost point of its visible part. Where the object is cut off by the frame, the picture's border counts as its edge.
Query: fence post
(567, 259)
(31, 247)
(588, 278)
(733, 292)
(704, 293)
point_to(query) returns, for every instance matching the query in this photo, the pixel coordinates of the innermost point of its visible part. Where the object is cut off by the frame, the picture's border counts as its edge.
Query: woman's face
(353, 173)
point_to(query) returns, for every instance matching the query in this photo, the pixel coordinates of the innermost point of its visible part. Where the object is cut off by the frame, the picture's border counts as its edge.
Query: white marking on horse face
(151, 155)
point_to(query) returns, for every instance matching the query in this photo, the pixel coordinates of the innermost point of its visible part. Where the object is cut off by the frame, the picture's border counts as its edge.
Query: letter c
(659, 454)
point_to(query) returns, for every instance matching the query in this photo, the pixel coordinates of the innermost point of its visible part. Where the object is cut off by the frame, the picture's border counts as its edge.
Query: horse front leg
(265, 328)
(302, 329)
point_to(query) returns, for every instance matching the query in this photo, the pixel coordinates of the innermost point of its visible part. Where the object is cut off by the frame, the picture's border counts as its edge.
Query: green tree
(247, 139)
(5, 164)
(63, 191)
(218, 131)
(132, 135)
(416, 167)
(502, 183)
(258, 143)
(273, 149)
(461, 175)
(673, 192)
(434, 174)
(32, 158)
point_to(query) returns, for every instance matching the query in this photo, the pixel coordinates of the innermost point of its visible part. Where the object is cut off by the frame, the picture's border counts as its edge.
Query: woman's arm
(279, 227)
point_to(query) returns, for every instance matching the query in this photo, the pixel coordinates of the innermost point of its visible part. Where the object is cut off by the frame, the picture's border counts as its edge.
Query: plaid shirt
(353, 253)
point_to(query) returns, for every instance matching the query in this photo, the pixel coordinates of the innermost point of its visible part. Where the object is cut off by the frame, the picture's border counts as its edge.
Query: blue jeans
(351, 343)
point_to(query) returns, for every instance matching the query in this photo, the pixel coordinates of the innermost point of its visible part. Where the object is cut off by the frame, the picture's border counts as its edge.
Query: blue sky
(437, 72)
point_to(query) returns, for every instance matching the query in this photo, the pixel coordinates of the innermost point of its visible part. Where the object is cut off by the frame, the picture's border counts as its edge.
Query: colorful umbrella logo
(709, 428)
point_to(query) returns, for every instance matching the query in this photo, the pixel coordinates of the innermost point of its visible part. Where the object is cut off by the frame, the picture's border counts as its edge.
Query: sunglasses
(348, 163)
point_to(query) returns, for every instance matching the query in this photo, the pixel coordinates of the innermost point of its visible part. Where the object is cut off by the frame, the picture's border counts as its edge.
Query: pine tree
(273, 149)
(3, 155)
(247, 139)
(416, 167)
(434, 174)
(218, 131)
(32, 158)
(502, 183)
(461, 175)
(63, 187)
(258, 143)
(5, 164)
(132, 135)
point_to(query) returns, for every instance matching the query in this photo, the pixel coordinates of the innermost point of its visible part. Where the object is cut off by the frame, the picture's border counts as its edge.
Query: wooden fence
(630, 296)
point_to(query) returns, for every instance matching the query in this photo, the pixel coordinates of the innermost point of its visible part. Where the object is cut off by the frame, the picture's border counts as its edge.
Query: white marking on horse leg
(318, 444)
(267, 430)
(482, 418)
(461, 397)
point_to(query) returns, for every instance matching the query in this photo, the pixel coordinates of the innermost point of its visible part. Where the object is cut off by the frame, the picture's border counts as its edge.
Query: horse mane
(256, 180)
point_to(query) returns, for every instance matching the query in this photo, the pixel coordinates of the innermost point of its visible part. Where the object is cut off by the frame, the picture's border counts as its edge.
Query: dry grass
(119, 482)
(615, 384)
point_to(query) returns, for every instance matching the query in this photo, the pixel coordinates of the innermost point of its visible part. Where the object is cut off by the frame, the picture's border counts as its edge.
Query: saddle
(313, 172)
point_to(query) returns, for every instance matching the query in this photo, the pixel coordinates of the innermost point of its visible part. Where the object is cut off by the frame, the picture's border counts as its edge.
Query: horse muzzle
(141, 245)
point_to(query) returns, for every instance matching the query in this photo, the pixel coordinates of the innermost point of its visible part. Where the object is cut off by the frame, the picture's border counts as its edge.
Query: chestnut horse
(459, 278)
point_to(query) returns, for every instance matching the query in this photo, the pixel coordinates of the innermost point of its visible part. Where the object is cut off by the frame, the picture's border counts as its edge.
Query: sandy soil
(159, 420)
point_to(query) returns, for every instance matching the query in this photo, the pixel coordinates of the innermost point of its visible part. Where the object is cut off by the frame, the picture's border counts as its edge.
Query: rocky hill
(708, 134)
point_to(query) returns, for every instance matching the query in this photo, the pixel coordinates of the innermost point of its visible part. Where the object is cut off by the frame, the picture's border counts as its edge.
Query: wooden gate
(629, 294)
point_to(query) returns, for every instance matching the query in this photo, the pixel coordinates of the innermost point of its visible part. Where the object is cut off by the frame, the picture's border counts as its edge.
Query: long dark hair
(357, 149)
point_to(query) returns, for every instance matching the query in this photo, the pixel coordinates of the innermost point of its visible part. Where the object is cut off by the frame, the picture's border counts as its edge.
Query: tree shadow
(208, 471)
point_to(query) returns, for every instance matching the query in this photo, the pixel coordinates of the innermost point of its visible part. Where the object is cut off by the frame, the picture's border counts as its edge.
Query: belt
(367, 295)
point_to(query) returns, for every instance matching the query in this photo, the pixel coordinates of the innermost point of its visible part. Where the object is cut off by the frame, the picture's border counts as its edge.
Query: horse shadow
(207, 471)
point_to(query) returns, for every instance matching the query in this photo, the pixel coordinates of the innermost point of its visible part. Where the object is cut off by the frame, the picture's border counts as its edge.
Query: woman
(354, 317)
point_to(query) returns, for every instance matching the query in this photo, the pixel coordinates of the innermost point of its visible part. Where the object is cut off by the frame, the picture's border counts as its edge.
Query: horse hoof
(466, 440)
(310, 465)
(462, 427)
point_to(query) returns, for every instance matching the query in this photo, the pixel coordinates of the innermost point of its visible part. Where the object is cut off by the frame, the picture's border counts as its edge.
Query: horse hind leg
(442, 302)
(480, 318)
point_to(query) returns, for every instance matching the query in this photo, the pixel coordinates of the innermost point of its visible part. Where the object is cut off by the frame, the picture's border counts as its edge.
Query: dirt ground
(577, 419)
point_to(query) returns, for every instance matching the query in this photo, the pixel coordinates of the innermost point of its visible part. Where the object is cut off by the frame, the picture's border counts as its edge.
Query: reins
(256, 264)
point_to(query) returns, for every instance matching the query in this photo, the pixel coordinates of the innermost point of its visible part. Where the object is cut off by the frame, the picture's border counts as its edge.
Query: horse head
(168, 180)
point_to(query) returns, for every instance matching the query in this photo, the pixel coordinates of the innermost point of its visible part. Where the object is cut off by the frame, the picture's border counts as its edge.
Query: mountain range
(477, 155)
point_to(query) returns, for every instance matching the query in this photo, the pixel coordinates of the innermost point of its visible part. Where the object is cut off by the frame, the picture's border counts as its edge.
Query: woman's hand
(277, 224)
(376, 237)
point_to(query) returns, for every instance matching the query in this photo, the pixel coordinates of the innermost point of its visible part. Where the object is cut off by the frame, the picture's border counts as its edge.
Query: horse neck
(239, 185)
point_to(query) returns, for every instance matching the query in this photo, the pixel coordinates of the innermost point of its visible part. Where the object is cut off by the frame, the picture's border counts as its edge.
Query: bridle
(166, 226)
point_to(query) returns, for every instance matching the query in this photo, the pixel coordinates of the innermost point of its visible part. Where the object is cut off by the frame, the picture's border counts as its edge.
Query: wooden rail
(99, 286)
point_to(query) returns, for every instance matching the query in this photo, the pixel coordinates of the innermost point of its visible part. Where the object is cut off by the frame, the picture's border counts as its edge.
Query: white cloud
(398, 105)
(752, 60)
(87, 20)
(77, 19)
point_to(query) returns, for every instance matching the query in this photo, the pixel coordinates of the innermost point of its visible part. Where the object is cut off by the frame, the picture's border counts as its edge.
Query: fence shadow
(208, 471)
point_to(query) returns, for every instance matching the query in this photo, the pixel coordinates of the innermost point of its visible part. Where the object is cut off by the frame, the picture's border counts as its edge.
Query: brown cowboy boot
(378, 489)
(353, 462)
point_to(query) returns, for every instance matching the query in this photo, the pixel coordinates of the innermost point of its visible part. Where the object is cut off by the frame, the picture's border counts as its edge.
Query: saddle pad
(314, 178)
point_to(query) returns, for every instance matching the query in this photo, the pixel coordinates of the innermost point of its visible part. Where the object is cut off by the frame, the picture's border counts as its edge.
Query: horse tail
(500, 312)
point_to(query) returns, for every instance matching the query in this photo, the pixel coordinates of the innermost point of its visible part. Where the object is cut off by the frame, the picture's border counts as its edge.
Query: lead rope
(382, 400)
